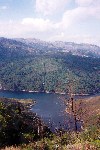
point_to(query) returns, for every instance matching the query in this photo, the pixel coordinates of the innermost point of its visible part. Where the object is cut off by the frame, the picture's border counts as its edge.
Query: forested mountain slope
(25, 67)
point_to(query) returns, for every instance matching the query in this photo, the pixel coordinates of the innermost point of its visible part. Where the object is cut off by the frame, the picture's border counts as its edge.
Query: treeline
(51, 73)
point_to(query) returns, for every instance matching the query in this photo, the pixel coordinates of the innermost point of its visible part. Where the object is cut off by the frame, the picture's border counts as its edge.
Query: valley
(37, 80)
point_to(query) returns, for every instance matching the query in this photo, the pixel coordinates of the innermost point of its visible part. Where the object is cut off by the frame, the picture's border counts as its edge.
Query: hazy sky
(67, 20)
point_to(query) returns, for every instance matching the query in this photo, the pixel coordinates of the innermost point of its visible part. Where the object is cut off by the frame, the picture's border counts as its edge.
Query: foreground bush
(17, 125)
(23, 130)
(84, 140)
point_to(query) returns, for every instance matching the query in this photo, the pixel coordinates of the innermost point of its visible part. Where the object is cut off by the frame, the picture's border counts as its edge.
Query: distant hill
(35, 65)
(12, 48)
(25, 47)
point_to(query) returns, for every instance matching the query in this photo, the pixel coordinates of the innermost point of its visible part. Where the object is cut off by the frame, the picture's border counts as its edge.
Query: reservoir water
(50, 107)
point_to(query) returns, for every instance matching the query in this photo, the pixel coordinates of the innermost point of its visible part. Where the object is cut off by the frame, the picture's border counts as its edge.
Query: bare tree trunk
(75, 119)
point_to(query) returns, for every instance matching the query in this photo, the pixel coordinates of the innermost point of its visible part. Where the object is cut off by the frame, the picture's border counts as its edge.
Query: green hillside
(51, 73)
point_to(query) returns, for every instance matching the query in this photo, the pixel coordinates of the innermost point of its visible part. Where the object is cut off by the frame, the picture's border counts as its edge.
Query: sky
(51, 20)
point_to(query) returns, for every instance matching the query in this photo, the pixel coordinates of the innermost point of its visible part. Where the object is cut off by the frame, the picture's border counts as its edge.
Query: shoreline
(27, 104)
(48, 92)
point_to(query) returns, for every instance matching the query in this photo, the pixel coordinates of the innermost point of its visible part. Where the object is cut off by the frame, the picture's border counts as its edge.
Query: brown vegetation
(88, 110)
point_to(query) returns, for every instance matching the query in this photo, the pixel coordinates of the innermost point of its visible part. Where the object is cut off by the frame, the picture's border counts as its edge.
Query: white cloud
(37, 24)
(3, 7)
(58, 37)
(78, 38)
(50, 7)
(81, 38)
(84, 2)
(60, 30)
(28, 27)
(79, 15)
(73, 16)
(10, 29)
(22, 29)
(95, 12)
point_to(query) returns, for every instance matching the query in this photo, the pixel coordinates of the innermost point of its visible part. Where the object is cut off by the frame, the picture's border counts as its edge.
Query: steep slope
(90, 113)
(30, 64)
(51, 74)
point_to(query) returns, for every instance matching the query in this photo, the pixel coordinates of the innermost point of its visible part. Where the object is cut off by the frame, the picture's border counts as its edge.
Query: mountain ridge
(36, 46)
(83, 49)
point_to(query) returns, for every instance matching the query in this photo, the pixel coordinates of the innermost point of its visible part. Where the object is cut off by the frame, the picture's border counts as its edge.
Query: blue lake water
(50, 107)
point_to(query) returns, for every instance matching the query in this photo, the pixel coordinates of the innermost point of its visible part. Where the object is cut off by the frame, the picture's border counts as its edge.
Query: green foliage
(68, 141)
(55, 72)
(87, 139)
(17, 126)
(91, 134)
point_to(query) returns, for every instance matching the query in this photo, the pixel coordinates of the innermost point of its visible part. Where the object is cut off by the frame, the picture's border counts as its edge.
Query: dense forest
(34, 65)
(51, 73)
